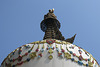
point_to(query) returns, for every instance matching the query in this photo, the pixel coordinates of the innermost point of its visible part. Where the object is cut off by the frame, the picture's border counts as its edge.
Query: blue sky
(20, 23)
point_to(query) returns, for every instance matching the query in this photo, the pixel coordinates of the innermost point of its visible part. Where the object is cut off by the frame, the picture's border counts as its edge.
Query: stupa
(53, 51)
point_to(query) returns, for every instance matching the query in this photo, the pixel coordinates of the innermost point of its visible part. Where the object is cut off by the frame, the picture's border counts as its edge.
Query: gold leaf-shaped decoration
(68, 56)
(50, 57)
(50, 51)
(56, 46)
(90, 64)
(33, 55)
(64, 42)
(61, 47)
(37, 42)
(44, 41)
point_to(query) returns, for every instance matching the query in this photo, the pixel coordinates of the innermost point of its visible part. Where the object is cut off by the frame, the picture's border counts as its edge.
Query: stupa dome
(52, 51)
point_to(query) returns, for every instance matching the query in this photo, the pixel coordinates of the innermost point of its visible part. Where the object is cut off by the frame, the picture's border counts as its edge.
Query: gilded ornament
(68, 56)
(61, 47)
(32, 47)
(50, 57)
(76, 61)
(33, 55)
(32, 43)
(44, 41)
(50, 51)
(37, 42)
(56, 46)
(63, 42)
(90, 64)
(58, 42)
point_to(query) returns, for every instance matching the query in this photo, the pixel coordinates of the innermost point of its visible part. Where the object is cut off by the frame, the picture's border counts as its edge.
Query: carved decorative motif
(60, 50)
(68, 56)
(33, 55)
(50, 57)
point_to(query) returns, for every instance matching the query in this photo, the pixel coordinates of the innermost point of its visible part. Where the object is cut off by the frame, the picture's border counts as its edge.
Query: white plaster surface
(44, 61)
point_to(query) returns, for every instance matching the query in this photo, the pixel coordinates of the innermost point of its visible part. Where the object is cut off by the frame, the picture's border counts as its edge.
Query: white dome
(49, 53)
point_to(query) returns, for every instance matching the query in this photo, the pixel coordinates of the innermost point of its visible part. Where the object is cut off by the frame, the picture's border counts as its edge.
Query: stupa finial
(50, 14)
(50, 25)
(51, 11)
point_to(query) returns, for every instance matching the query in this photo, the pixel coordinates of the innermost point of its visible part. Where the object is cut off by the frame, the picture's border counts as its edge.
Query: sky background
(20, 23)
